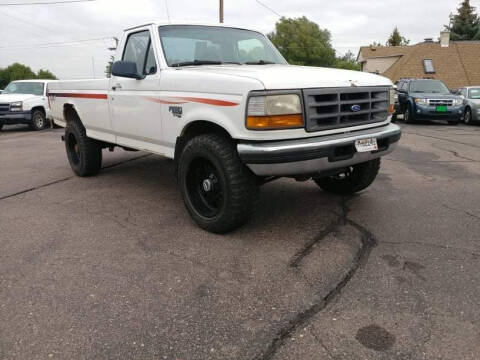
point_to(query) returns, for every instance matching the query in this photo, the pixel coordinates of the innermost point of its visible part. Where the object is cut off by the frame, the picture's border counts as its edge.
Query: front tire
(356, 178)
(408, 117)
(467, 117)
(218, 190)
(84, 154)
(39, 122)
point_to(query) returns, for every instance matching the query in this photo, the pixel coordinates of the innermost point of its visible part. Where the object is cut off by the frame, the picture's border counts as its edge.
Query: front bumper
(17, 117)
(315, 155)
(429, 112)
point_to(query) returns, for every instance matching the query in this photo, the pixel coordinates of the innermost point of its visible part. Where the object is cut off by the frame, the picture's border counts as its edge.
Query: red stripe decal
(80, 95)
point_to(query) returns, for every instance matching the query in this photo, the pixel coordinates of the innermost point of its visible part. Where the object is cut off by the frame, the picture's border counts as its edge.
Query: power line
(46, 3)
(268, 8)
(54, 44)
(168, 13)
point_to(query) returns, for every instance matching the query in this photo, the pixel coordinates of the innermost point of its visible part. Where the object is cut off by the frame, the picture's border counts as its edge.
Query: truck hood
(9, 98)
(278, 76)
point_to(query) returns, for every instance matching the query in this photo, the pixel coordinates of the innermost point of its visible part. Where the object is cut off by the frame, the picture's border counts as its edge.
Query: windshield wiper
(197, 62)
(259, 62)
(204, 62)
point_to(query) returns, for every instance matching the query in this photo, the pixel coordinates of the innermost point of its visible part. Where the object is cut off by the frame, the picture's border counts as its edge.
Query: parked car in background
(471, 97)
(427, 99)
(25, 102)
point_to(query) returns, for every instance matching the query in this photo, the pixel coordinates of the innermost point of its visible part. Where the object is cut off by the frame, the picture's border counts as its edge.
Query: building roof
(457, 65)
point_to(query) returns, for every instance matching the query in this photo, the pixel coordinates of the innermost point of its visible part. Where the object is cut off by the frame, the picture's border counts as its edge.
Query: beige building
(457, 63)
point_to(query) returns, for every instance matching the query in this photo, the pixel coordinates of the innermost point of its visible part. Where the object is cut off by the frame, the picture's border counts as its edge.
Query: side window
(139, 50)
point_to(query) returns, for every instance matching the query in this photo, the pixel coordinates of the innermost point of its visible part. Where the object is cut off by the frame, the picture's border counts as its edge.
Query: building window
(428, 66)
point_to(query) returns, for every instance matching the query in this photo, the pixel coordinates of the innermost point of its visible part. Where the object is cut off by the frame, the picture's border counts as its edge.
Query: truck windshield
(32, 88)
(474, 93)
(426, 86)
(211, 45)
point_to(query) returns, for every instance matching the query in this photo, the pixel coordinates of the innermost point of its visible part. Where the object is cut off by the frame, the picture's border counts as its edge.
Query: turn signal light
(391, 109)
(275, 122)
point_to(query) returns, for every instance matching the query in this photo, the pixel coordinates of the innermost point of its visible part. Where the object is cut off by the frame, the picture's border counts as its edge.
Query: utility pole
(221, 11)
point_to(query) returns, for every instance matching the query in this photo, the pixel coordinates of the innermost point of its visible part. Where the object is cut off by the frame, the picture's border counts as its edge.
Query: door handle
(116, 86)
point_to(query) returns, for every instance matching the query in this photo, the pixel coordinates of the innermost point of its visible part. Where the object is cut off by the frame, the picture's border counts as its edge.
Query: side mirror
(126, 69)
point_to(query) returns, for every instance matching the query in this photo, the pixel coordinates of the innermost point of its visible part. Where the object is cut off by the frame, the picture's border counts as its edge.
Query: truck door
(133, 103)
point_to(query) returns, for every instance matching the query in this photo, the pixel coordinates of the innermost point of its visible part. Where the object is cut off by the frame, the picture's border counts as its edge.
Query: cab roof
(163, 23)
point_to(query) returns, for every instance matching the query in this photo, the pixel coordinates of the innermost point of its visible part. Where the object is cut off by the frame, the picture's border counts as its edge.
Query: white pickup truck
(25, 102)
(233, 114)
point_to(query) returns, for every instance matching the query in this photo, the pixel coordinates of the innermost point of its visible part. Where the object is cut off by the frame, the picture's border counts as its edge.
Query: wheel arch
(39, 107)
(70, 113)
(195, 128)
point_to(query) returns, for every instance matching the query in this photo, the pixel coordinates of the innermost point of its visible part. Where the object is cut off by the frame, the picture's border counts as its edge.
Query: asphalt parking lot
(111, 267)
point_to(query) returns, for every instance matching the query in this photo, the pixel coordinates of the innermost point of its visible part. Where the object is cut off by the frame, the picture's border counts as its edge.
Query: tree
(302, 42)
(465, 25)
(18, 71)
(348, 62)
(396, 39)
(45, 74)
(108, 69)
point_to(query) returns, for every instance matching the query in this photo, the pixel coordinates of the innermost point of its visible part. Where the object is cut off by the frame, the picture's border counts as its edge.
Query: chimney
(444, 39)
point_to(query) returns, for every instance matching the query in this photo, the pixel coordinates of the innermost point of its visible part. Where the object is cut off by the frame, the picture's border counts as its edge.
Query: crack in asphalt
(66, 178)
(420, 243)
(442, 139)
(368, 243)
(461, 210)
(453, 152)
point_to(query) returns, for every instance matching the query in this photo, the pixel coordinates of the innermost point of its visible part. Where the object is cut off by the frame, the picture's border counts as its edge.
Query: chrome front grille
(440, 102)
(330, 108)
(4, 108)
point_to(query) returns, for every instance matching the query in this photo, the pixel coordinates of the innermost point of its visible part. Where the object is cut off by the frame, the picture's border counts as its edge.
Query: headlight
(392, 98)
(421, 101)
(269, 112)
(458, 102)
(16, 106)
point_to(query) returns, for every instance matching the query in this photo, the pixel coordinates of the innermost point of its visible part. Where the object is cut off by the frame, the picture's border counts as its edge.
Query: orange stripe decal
(80, 95)
(209, 101)
(182, 100)
(162, 101)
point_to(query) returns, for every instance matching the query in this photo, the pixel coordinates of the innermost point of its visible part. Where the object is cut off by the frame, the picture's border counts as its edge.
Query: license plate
(366, 145)
(441, 109)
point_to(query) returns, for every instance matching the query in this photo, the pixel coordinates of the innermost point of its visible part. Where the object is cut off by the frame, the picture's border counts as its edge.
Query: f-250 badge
(176, 111)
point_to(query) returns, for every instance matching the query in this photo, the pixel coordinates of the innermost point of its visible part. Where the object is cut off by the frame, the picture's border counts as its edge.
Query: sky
(38, 35)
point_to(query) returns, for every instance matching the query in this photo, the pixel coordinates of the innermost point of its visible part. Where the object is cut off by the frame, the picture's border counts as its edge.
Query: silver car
(471, 95)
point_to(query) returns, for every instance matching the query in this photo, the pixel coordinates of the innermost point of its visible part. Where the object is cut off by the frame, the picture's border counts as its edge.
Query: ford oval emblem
(356, 108)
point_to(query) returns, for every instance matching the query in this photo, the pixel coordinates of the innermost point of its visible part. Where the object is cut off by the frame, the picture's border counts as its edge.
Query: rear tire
(357, 178)
(39, 122)
(218, 190)
(84, 154)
